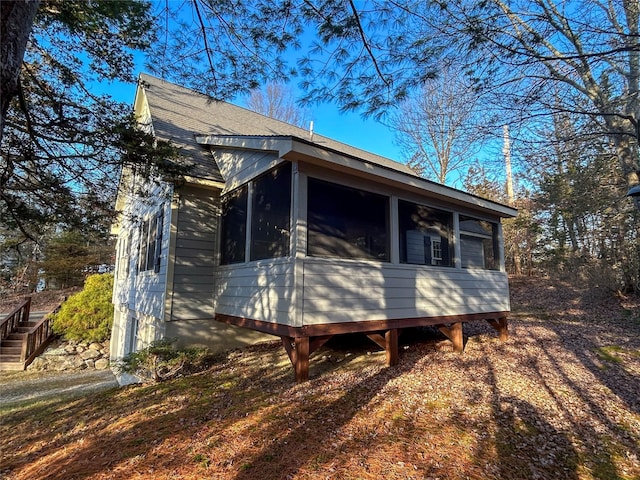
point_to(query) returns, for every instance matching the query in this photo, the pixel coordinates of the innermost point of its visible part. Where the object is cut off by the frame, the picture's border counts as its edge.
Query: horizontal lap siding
(259, 292)
(238, 167)
(148, 292)
(195, 255)
(355, 292)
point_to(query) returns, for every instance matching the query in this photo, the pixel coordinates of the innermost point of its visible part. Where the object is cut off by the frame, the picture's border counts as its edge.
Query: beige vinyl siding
(195, 254)
(149, 286)
(259, 290)
(336, 291)
(239, 166)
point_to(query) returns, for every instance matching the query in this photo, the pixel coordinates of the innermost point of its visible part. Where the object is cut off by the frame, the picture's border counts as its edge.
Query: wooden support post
(301, 365)
(391, 346)
(454, 333)
(501, 326)
(298, 351)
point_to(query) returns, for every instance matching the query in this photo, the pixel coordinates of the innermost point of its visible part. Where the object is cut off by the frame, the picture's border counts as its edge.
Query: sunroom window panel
(271, 214)
(233, 227)
(425, 235)
(479, 243)
(345, 222)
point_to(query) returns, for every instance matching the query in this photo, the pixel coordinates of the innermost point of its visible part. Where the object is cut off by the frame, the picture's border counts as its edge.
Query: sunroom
(316, 242)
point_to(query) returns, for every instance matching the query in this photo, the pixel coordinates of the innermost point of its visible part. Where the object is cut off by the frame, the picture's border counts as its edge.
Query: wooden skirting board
(301, 342)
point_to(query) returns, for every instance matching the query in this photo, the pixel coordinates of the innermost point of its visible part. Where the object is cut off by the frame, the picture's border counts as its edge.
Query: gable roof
(195, 122)
(180, 115)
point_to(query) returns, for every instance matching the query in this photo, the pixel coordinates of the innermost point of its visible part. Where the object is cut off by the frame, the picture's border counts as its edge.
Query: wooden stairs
(21, 339)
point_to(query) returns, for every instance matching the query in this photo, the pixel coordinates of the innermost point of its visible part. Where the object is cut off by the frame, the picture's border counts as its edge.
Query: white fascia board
(292, 148)
(311, 153)
(281, 145)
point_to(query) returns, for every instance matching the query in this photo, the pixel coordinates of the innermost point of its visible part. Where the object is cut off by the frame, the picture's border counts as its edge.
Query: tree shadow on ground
(523, 432)
(588, 322)
(313, 431)
(69, 444)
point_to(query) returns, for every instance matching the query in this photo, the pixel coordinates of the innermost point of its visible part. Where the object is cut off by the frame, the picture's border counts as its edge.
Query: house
(278, 231)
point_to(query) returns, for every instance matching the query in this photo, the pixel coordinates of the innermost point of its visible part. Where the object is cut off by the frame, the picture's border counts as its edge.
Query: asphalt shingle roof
(179, 115)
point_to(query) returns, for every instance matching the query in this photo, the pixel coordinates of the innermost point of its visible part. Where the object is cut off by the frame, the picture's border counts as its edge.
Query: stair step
(11, 342)
(17, 337)
(11, 366)
(6, 350)
(9, 358)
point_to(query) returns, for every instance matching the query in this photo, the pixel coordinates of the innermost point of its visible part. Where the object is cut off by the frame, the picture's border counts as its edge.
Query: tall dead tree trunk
(16, 20)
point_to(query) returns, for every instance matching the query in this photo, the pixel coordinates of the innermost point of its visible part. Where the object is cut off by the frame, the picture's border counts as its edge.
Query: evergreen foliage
(70, 256)
(88, 315)
(63, 144)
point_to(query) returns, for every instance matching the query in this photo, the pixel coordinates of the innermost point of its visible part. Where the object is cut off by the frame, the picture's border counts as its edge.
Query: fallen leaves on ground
(559, 399)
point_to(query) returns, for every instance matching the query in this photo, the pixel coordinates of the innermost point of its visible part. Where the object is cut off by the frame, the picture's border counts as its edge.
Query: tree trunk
(16, 20)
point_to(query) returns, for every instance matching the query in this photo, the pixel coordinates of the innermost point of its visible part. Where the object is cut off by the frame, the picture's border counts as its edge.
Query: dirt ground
(559, 400)
(41, 302)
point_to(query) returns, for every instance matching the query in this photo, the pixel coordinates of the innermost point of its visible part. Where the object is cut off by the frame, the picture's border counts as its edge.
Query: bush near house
(87, 315)
(161, 361)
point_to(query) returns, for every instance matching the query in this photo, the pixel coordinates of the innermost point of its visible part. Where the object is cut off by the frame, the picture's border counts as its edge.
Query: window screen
(346, 222)
(425, 235)
(271, 214)
(233, 226)
(479, 243)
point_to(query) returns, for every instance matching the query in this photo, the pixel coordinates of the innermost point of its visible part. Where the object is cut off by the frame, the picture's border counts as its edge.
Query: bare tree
(370, 55)
(276, 100)
(439, 128)
(545, 57)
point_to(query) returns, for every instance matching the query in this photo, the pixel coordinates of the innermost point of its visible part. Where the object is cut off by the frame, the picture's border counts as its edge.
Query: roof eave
(293, 148)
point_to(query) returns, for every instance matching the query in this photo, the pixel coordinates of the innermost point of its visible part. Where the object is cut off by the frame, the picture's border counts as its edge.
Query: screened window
(425, 235)
(346, 222)
(271, 214)
(150, 246)
(479, 243)
(233, 226)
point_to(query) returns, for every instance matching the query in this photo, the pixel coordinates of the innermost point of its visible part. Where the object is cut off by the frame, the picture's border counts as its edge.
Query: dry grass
(546, 404)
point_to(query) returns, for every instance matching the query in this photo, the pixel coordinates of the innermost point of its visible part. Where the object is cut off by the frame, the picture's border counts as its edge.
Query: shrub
(161, 361)
(87, 315)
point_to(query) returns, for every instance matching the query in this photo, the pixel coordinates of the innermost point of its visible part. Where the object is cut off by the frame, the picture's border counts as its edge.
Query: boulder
(89, 354)
(101, 364)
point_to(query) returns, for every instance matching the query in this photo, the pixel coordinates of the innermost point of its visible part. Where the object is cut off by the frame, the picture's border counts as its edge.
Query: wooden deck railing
(36, 337)
(36, 340)
(19, 315)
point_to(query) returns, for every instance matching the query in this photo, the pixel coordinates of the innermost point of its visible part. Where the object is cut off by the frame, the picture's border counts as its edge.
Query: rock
(38, 364)
(55, 352)
(58, 366)
(102, 364)
(69, 355)
(76, 363)
(89, 354)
